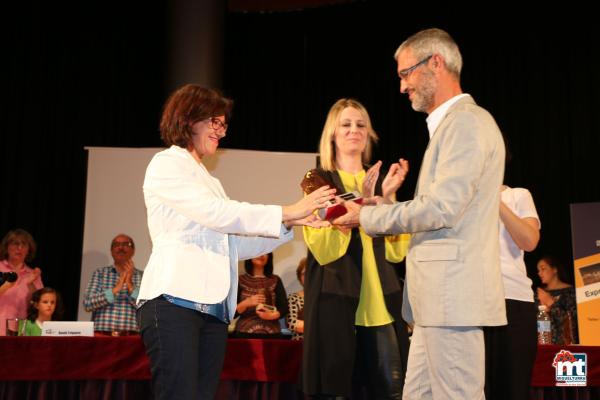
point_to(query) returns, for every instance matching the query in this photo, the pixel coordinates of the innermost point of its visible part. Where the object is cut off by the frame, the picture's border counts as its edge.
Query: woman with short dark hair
(188, 292)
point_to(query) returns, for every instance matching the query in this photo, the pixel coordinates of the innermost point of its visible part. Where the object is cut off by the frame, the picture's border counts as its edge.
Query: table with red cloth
(543, 381)
(118, 368)
(76, 358)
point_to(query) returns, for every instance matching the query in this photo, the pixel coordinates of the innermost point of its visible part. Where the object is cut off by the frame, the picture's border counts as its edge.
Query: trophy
(313, 180)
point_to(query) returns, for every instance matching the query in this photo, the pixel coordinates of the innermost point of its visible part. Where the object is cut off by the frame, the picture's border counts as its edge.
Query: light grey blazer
(453, 265)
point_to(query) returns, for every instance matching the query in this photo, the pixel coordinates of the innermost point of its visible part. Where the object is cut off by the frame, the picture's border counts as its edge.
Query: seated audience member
(45, 305)
(261, 298)
(16, 249)
(295, 318)
(112, 291)
(559, 299)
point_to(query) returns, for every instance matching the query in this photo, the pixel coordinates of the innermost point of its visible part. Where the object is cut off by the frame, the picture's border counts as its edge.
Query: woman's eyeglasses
(217, 124)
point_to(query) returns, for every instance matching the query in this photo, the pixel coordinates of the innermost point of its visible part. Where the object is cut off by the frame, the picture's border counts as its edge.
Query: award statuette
(313, 180)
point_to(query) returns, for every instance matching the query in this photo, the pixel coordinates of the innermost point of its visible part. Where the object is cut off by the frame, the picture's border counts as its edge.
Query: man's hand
(351, 219)
(120, 284)
(125, 278)
(128, 275)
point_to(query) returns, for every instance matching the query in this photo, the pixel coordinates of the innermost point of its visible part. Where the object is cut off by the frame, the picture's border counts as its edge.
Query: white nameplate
(68, 328)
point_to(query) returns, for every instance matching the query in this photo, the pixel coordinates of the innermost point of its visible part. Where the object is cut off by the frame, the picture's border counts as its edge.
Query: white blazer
(196, 232)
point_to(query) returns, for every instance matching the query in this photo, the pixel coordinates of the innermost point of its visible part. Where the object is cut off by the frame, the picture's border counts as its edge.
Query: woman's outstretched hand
(318, 199)
(311, 220)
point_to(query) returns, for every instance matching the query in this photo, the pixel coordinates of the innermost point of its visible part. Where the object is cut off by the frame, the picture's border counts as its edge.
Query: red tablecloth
(80, 358)
(260, 360)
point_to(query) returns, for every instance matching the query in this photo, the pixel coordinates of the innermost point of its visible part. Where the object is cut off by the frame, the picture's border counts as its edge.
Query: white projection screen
(115, 203)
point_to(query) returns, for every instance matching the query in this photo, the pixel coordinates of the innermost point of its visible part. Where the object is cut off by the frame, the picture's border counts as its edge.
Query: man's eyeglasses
(407, 71)
(217, 124)
(121, 244)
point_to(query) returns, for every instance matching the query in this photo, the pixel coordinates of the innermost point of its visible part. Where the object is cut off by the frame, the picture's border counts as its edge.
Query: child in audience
(45, 305)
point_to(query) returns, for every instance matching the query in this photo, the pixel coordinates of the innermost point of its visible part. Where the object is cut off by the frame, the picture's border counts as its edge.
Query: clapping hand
(125, 278)
(33, 276)
(394, 179)
(128, 275)
(368, 187)
(391, 183)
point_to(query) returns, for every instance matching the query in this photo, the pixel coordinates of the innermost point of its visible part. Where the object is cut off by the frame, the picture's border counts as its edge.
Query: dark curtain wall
(94, 76)
(538, 78)
(71, 77)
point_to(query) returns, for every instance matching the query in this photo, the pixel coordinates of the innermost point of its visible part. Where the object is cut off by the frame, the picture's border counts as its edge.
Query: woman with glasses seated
(189, 288)
(19, 281)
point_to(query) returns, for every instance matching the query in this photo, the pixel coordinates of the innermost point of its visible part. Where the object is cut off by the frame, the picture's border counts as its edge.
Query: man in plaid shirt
(112, 291)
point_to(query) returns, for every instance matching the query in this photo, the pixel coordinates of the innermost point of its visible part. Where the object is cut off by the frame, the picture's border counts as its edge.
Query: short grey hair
(434, 41)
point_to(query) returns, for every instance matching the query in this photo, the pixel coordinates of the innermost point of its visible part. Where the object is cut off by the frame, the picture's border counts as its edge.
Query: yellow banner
(585, 231)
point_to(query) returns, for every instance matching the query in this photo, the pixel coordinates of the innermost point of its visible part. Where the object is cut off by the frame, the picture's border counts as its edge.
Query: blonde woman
(353, 325)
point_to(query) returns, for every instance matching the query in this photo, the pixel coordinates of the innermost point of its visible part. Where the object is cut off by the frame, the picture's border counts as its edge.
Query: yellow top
(330, 244)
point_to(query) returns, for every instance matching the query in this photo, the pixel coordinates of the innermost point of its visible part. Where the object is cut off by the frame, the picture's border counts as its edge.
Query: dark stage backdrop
(71, 77)
(95, 77)
(538, 78)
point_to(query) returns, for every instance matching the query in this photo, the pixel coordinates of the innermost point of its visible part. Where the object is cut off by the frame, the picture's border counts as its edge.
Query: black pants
(378, 363)
(510, 353)
(186, 350)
